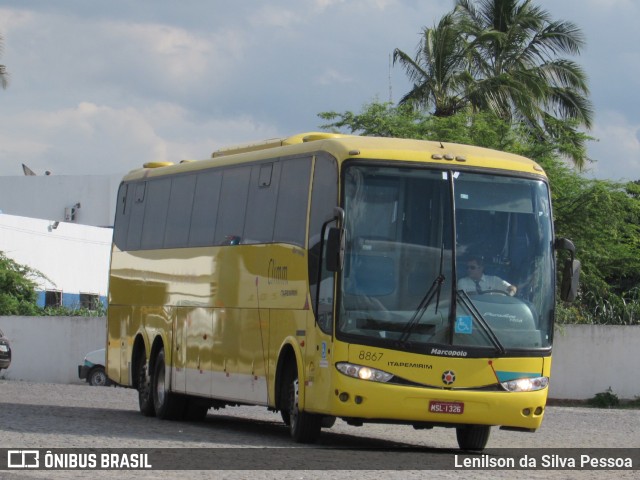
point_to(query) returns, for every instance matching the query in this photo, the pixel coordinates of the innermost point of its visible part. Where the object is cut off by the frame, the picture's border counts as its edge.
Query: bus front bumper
(372, 401)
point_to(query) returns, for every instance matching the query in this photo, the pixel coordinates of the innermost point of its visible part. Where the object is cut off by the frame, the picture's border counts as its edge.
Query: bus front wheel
(473, 437)
(167, 405)
(304, 427)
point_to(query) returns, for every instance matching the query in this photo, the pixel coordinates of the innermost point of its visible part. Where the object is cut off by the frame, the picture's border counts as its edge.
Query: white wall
(74, 258)
(587, 359)
(49, 349)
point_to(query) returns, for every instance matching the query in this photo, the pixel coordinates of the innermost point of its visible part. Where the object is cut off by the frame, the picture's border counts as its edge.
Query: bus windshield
(451, 258)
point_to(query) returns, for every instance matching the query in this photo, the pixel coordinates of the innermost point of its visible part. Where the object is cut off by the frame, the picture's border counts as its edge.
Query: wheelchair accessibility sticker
(464, 325)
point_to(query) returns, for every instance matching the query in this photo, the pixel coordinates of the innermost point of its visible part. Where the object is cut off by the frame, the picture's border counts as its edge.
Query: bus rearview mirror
(570, 272)
(335, 249)
(570, 280)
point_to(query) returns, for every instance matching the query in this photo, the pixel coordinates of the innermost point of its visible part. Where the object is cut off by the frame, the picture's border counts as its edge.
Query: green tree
(603, 220)
(513, 48)
(502, 56)
(17, 288)
(438, 73)
(377, 119)
(483, 129)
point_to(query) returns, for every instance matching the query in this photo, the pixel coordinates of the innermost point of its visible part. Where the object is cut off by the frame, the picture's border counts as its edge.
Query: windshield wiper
(422, 307)
(470, 306)
(434, 290)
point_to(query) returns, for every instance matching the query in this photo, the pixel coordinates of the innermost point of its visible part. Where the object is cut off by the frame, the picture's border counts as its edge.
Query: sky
(103, 87)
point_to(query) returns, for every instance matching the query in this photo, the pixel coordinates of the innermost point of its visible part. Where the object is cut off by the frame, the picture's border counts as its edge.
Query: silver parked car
(93, 369)
(5, 351)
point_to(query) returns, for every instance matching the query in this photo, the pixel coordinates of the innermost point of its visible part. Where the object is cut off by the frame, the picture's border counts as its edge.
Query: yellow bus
(323, 276)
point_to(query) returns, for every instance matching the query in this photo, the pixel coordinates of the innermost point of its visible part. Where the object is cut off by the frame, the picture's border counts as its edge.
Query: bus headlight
(526, 384)
(363, 373)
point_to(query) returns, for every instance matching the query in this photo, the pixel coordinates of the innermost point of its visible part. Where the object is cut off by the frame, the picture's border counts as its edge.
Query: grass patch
(606, 399)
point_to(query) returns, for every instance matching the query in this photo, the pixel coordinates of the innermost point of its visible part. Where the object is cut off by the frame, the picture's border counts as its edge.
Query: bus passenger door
(318, 368)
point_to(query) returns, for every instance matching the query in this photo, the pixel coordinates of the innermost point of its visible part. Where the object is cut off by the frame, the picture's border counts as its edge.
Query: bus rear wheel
(473, 437)
(145, 398)
(304, 427)
(167, 405)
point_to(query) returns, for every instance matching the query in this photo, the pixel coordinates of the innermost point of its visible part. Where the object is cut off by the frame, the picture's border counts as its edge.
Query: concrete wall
(73, 258)
(588, 359)
(49, 349)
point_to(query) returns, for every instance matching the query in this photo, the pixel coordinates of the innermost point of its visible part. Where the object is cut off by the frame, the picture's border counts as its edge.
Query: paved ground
(36, 415)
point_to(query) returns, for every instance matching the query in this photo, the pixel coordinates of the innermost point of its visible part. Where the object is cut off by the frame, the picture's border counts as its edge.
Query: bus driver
(477, 282)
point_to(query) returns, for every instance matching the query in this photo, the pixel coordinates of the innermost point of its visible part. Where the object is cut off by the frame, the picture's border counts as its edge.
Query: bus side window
(204, 213)
(121, 224)
(179, 213)
(233, 206)
(293, 197)
(136, 217)
(261, 205)
(324, 198)
(155, 213)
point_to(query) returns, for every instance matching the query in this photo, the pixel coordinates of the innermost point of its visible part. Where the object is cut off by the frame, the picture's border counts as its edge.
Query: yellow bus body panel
(233, 308)
(224, 314)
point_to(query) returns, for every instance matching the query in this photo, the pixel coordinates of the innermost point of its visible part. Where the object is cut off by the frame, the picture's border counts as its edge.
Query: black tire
(167, 405)
(195, 410)
(98, 377)
(145, 399)
(304, 427)
(285, 413)
(328, 422)
(284, 398)
(473, 437)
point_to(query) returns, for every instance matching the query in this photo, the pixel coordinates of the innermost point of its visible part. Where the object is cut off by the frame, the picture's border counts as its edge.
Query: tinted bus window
(324, 197)
(233, 203)
(293, 198)
(261, 205)
(121, 225)
(134, 232)
(155, 213)
(179, 214)
(205, 208)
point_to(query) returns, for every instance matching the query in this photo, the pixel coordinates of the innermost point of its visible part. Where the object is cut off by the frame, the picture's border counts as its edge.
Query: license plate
(455, 408)
(3, 348)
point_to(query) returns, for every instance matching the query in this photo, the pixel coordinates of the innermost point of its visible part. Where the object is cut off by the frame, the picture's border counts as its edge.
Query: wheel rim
(99, 379)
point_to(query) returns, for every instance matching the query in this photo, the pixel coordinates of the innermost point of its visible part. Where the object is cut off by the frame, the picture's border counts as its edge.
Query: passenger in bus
(477, 282)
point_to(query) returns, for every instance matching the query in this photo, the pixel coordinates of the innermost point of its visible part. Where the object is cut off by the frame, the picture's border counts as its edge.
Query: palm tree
(512, 52)
(502, 56)
(4, 75)
(437, 71)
